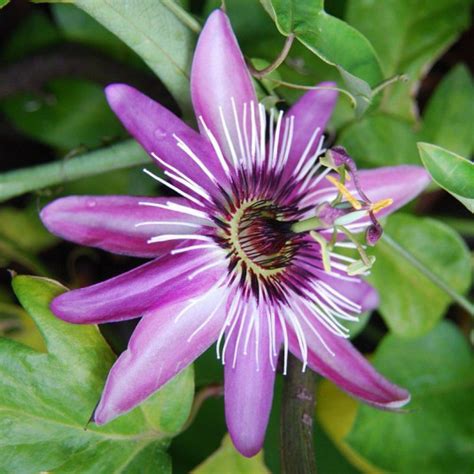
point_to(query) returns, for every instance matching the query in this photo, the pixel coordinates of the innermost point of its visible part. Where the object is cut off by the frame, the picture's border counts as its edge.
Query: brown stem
(279, 59)
(296, 420)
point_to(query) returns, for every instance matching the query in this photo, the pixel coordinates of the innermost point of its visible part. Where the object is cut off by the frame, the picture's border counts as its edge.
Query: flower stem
(459, 299)
(296, 420)
(306, 225)
(280, 58)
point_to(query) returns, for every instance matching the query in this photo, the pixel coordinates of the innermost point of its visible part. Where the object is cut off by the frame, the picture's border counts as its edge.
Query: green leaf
(380, 140)
(437, 434)
(71, 113)
(122, 155)
(25, 229)
(17, 325)
(451, 171)
(333, 40)
(359, 89)
(47, 398)
(250, 23)
(449, 115)
(410, 303)
(4, 3)
(408, 36)
(155, 34)
(227, 459)
(11, 252)
(22, 235)
(336, 412)
(35, 32)
(463, 226)
(79, 27)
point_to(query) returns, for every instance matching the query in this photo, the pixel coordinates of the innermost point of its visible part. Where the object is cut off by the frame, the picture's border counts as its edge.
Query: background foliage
(58, 137)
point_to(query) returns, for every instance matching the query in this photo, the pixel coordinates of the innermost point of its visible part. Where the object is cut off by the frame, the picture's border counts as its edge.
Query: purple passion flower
(234, 260)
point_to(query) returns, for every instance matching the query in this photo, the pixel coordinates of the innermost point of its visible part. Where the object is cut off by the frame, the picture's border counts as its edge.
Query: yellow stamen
(382, 204)
(345, 192)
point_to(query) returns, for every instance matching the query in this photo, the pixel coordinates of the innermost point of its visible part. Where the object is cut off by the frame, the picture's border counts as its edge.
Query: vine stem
(296, 420)
(459, 299)
(199, 399)
(312, 88)
(259, 74)
(23, 180)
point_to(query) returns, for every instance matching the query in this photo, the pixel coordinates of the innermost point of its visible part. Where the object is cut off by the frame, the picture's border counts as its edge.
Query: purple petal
(156, 128)
(219, 74)
(400, 183)
(249, 380)
(110, 223)
(347, 368)
(311, 111)
(130, 295)
(165, 342)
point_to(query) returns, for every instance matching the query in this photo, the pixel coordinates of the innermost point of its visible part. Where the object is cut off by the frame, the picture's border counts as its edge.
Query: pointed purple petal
(347, 368)
(400, 183)
(219, 74)
(110, 223)
(149, 286)
(157, 129)
(165, 342)
(249, 384)
(311, 111)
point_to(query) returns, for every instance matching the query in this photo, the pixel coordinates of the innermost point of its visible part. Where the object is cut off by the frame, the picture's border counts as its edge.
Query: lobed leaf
(334, 41)
(47, 399)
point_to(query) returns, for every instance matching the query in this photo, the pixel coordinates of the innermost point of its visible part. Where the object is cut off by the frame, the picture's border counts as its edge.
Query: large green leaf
(380, 140)
(155, 34)
(35, 32)
(451, 171)
(408, 36)
(437, 433)
(333, 40)
(410, 303)
(17, 325)
(46, 400)
(449, 115)
(78, 26)
(71, 113)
